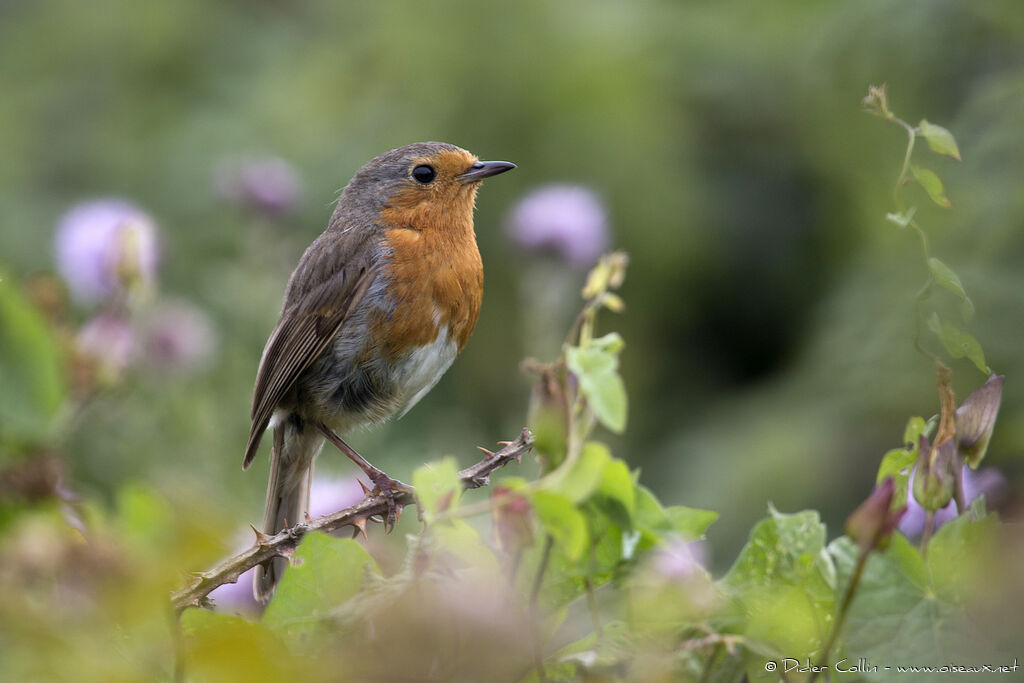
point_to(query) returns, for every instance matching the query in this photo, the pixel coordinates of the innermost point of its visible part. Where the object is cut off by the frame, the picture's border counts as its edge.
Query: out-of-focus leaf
(932, 185)
(939, 139)
(218, 647)
(967, 309)
(896, 464)
(325, 572)
(958, 343)
(563, 521)
(785, 582)
(464, 542)
(617, 484)
(944, 275)
(690, 523)
(898, 616)
(438, 487)
(579, 482)
(914, 429)
(962, 553)
(32, 385)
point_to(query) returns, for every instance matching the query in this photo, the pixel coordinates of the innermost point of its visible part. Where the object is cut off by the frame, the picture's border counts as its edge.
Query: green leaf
(961, 555)
(932, 185)
(958, 343)
(897, 616)
(609, 343)
(464, 542)
(606, 395)
(32, 385)
(939, 139)
(579, 482)
(617, 484)
(596, 367)
(563, 521)
(219, 647)
(690, 523)
(967, 309)
(897, 464)
(914, 429)
(784, 582)
(902, 219)
(325, 572)
(438, 487)
(946, 277)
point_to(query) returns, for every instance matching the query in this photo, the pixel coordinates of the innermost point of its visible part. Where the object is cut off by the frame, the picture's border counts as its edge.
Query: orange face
(444, 203)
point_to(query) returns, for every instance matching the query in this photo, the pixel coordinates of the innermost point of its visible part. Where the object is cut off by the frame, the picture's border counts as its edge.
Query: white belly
(421, 369)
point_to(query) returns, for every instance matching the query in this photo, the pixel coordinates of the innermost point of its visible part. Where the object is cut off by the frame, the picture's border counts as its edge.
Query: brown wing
(304, 331)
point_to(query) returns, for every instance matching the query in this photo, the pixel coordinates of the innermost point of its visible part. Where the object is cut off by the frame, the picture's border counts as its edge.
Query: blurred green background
(769, 318)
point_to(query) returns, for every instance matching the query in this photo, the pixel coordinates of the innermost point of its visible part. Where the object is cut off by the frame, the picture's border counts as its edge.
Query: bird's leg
(383, 484)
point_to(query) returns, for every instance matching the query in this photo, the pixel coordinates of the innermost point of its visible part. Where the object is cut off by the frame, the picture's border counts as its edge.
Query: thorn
(360, 526)
(519, 458)
(366, 491)
(489, 454)
(504, 444)
(261, 538)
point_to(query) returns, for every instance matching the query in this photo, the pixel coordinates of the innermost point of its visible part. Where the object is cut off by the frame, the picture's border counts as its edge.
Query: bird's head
(423, 186)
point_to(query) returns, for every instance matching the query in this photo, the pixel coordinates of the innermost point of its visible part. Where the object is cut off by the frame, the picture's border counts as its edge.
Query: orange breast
(436, 278)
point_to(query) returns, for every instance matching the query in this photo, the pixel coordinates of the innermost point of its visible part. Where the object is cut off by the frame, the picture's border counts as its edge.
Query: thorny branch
(283, 544)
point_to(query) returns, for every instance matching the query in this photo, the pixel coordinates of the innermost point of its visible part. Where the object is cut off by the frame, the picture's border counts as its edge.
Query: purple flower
(269, 185)
(105, 247)
(177, 336)
(988, 482)
(569, 220)
(330, 495)
(680, 560)
(107, 342)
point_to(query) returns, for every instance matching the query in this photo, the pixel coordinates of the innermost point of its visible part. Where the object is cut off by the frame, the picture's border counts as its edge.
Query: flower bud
(872, 523)
(513, 519)
(976, 418)
(935, 476)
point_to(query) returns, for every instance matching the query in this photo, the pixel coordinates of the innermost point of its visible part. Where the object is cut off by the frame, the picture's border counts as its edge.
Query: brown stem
(283, 544)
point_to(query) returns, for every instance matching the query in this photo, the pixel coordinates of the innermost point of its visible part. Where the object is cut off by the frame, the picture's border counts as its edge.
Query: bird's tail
(291, 473)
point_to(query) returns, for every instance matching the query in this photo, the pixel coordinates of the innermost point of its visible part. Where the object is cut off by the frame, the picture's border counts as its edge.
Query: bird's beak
(485, 169)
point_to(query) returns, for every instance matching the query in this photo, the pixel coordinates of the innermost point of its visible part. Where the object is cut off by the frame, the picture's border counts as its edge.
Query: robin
(377, 309)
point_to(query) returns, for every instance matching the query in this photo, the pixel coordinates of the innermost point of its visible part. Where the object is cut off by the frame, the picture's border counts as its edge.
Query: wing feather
(304, 331)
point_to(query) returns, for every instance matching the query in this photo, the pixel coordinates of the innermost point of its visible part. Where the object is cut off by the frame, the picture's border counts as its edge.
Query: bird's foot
(385, 486)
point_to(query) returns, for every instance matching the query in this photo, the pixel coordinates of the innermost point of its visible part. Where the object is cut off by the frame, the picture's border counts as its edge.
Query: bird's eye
(424, 174)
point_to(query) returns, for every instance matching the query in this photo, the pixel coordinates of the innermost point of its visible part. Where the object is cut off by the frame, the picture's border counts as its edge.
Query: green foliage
(958, 343)
(596, 365)
(325, 573)
(32, 372)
